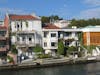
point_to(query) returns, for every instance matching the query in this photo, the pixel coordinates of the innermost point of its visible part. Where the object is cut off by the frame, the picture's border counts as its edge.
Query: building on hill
(61, 23)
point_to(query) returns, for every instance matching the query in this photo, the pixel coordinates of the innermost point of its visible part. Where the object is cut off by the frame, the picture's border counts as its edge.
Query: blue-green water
(83, 69)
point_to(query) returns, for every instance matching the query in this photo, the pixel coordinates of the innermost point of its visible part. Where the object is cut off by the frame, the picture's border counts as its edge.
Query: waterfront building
(91, 35)
(52, 34)
(50, 38)
(25, 32)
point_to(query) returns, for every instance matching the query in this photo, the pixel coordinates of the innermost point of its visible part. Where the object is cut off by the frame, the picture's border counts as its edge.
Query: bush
(72, 49)
(43, 56)
(38, 49)
(10, 59)
(90, 48)
(60, 50)
(13, 49)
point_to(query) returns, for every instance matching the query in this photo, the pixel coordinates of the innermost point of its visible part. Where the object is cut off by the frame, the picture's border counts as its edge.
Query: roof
(22, 17)
(50, 26)
(91, 29)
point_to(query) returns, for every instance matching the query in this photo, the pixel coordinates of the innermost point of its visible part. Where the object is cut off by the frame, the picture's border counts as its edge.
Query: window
(53, 35)
(45, 44)
(67, 33)
(53, 44)
(18, 39)
(26, 24)
(17, 25)
(23, 38)
(45, 34)
(30, 39)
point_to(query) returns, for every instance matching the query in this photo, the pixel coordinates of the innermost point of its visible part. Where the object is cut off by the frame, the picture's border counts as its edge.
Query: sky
(67, 9)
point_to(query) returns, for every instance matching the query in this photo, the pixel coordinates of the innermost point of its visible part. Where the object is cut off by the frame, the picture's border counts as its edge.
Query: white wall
(50, 39)
(32, 25)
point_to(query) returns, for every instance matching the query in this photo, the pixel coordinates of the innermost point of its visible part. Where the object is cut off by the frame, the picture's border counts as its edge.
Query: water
(83, 69)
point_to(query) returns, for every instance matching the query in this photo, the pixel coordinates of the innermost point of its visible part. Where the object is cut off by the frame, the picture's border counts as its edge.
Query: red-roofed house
(25, 32)
(50, 38)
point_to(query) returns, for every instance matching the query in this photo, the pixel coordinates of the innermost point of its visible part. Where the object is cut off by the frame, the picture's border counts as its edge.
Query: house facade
(25, 32)
(50, 38)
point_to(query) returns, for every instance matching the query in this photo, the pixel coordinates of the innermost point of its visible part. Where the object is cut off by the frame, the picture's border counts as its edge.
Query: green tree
(38, 49)
(60, 47)
(45, 19)
(72, 49)
(13, 49)
(84, 23)
(10, 59)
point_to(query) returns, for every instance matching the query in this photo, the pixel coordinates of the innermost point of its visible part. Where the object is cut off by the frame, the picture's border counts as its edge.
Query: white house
(52, 33)
(50, 38)
(25, 32)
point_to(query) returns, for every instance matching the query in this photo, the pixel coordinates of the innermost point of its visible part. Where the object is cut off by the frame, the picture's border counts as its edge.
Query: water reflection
(89, 69)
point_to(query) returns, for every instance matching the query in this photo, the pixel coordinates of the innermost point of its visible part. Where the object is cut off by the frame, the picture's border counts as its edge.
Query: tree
(46, 19)
(60, 47)
(13, 49)
(84, 23)
(38, 49)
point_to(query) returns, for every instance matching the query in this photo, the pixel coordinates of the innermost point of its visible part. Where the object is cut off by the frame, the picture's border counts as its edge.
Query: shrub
(38, 49)
(43, 56)
(10, 59)
(60, 49)
(13, 49)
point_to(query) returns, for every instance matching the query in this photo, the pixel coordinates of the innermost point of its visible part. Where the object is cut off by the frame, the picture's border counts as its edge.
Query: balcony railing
(24, 43)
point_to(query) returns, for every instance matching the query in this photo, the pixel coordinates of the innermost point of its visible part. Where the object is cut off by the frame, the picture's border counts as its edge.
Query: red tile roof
(51, 26)
(22, 17)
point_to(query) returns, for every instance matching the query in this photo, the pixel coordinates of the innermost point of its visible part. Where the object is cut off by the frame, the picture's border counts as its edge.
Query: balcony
(24, 44)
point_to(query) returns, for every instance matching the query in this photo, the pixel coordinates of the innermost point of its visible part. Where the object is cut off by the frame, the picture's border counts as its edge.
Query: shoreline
(47, 63)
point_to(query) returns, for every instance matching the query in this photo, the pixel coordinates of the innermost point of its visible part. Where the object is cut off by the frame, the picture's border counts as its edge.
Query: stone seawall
(41, 63)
